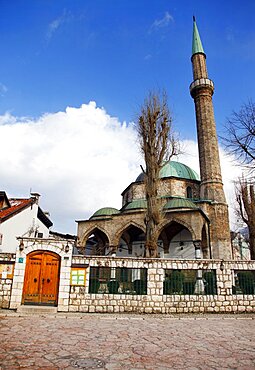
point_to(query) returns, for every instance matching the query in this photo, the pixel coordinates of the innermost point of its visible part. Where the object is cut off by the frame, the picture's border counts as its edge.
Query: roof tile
(17, 205)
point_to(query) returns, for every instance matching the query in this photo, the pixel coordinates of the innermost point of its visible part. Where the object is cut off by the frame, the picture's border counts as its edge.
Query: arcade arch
(176, 241)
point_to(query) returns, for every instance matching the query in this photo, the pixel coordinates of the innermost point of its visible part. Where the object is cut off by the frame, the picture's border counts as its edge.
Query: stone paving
(98, 341)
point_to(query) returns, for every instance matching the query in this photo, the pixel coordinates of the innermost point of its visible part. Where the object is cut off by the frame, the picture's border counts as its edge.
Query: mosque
(196, 221)
(193, 238)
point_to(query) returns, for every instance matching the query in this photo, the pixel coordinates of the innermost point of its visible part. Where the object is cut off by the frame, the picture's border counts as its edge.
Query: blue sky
(64, 53)
(58, 56)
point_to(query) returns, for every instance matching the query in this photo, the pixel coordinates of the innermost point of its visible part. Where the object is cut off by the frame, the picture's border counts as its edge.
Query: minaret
(211, 188)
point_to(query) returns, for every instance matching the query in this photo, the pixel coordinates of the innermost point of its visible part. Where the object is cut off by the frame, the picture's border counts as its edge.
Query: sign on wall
(6, 270)
(78, 276)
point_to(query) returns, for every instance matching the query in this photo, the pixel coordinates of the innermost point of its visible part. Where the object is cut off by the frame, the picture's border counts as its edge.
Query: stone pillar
(199, 286)
(197, 245)
(113, 272)
(113, 249)
(136, 274)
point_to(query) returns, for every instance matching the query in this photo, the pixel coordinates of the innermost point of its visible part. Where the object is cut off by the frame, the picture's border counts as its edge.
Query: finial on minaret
(197, 46)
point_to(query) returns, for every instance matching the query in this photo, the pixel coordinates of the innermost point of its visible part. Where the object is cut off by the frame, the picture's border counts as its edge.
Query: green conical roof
(136, 204)
(197, 46)
(179, 203)
(174, 169)
(106, 211)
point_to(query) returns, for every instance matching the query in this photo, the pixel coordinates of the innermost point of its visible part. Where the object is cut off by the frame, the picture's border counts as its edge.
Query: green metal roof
(179, 203)
(177, 169)
(174, 169)
(136, 204)
(197, 46)
(106, 211)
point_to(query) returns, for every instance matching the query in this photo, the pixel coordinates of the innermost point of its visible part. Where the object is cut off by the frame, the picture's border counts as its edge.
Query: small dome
(179, 203)
(174, 169)
(140, 177)
(106, 211)
(136, 204)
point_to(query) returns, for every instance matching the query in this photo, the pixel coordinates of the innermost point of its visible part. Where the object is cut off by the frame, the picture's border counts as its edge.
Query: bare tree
(245, 196)
(239, 140)
(158, 144)
(239, 136)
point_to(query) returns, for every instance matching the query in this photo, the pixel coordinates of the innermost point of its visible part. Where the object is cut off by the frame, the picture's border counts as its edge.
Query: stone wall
(6, 273)
(5, 292)
(155, 301)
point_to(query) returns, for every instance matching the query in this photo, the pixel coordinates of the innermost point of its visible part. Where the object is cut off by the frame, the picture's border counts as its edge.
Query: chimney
(36, 196)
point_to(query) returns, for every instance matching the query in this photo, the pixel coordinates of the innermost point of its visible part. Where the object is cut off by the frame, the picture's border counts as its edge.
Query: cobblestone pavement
(94, 341)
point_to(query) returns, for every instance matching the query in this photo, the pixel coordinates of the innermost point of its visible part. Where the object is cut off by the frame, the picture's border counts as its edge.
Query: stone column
(113, 250)
(199, 286)
(136, 274)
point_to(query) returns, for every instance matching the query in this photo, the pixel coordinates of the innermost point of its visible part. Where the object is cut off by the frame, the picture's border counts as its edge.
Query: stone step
(36, 309)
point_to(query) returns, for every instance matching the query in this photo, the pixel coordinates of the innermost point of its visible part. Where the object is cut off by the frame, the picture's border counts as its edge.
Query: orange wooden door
(32, 281)
(41, 278)
(50, 279)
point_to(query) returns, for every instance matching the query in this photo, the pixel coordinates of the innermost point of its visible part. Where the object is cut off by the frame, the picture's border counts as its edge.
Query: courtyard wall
(155, 301)
(7, 261)
(78, 298)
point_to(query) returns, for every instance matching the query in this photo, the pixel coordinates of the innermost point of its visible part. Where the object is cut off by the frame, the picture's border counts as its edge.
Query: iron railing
(188, 282)
(244, 282)
(118, 280)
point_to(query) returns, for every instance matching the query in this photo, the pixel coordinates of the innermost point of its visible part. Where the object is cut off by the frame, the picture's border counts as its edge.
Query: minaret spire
(211, 187)
(197, 46)
(201, 90)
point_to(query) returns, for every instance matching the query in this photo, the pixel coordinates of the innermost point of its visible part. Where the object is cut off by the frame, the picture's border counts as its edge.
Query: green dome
(106, 211)
(174, 169)
(136, 204)
(179, 203)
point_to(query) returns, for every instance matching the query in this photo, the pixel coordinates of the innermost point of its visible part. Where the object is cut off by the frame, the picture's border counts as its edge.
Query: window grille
(189, 282)
(119, 280)
(244, 282)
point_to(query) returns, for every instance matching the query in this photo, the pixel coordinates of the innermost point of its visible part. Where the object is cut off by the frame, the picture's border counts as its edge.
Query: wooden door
(41, 278)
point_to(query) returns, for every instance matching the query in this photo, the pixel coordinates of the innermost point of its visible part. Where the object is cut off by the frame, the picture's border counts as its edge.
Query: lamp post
(21, 245)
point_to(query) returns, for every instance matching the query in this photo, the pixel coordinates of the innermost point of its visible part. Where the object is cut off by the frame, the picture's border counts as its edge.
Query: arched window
(189, 192)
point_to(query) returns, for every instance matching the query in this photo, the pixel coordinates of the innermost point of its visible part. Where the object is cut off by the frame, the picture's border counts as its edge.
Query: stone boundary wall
(6, 282)
(5, 292)
(155, 302)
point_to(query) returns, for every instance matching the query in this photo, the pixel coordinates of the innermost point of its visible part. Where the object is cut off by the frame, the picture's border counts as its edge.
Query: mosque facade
(195, 222)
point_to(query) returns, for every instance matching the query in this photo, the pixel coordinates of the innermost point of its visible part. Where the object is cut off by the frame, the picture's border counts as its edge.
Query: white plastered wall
(20, 225)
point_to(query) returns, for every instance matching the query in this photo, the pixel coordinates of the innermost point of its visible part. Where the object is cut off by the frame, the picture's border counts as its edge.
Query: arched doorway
(175, 241)
(131, 242)
(41, 280)
(97, 243)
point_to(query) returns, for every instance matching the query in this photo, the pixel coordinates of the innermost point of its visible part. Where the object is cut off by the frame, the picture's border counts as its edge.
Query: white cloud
(3, 89)
(148, 57)
(56, 23)
(79, 160)
(162, 22)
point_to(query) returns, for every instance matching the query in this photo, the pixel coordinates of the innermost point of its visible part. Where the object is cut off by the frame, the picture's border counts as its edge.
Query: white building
(21, 218)
(240, 245)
